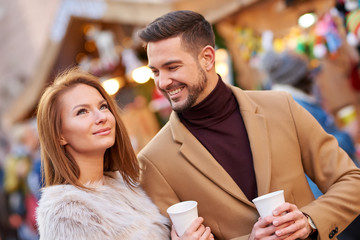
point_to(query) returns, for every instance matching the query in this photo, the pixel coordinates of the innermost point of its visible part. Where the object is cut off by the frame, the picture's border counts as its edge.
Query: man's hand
(298, 226)
(287, 222)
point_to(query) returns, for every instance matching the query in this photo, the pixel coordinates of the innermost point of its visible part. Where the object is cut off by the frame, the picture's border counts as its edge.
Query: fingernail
(275, 222)
(275, 212)
(278, 232)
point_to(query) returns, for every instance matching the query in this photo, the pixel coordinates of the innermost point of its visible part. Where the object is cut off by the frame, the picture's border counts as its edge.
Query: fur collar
(110, 211)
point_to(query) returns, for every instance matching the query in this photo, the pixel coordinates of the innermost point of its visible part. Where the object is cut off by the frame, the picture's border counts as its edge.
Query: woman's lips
(103, 131)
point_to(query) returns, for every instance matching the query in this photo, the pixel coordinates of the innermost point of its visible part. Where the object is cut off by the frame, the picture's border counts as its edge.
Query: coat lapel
(201, 159)
(255, 124)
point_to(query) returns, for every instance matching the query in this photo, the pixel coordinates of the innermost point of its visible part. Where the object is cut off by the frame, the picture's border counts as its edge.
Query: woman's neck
(91, 169)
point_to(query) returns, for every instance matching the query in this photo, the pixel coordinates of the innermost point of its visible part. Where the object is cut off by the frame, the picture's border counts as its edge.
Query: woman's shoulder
(125, 194)
(112, 207)
(60, 199)
(64, 211)
(60, 193)
(65, 204)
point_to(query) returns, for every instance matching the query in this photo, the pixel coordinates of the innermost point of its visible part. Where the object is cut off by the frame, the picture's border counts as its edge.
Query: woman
(90, 169)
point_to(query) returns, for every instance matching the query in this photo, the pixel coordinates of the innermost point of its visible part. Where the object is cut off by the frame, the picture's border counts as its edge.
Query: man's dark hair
(193, 29)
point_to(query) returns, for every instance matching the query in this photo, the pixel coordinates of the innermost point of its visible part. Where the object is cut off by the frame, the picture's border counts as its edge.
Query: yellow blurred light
(142, 74)
(79, 57)
(87, 28)
(111, 86)
(222, 68)
(221, 55)
(90, 46)
(306, 20)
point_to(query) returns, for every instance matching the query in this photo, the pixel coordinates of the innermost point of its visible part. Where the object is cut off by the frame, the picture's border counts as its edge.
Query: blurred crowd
(20, 181)
(20, 168)
(328, 87)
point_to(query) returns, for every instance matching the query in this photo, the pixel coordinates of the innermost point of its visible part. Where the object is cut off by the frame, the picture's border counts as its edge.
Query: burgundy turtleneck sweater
(217, 123)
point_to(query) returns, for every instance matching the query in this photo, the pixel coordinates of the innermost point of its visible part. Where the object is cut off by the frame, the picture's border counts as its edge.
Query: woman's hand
(195, 231)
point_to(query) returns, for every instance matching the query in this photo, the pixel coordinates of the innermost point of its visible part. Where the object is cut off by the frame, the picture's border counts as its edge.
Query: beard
(194, 92)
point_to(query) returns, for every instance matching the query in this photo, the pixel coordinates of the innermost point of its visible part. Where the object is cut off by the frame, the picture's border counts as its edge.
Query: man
(224, 146)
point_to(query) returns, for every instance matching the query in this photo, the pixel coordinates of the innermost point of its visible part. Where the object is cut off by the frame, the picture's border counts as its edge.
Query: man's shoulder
(265, 98)
(159, 142)
(266, 94)
(259, 93)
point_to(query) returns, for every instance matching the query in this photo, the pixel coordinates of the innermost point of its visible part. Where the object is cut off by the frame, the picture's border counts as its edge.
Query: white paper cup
(182, 214)
(267, 203)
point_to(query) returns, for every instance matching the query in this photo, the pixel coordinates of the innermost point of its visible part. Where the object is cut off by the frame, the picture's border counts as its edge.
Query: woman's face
(87, 125)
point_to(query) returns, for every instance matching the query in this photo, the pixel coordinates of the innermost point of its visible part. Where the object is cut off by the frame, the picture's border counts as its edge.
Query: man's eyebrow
(166, 63)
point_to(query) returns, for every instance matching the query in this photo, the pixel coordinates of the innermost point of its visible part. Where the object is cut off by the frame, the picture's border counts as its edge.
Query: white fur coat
(112, 211)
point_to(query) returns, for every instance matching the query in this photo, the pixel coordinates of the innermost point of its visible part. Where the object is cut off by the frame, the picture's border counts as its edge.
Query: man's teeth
(173, 92)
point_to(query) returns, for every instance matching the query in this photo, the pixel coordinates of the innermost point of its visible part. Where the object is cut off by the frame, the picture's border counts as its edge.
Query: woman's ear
(207, 58)
(63, 142)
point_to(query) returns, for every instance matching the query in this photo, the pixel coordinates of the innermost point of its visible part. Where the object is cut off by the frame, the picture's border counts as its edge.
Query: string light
(111, 86)
(306, 20)
(222, 64)
(142, 74)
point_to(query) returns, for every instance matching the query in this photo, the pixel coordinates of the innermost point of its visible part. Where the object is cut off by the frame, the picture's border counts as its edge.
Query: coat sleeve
(67, 220)
(332, 170)
(162, 195)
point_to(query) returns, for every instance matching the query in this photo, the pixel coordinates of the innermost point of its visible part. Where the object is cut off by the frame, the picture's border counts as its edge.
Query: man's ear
(207, 57)
(63, 142)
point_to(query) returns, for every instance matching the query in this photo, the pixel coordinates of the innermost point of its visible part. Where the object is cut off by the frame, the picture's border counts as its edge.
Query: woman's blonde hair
(57, 164)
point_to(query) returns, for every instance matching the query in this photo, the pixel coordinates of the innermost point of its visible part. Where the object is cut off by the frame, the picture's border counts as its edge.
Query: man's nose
(163, 81)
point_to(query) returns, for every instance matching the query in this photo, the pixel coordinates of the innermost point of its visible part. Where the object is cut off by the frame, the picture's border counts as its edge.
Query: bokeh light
(142, 74)
(111, 86)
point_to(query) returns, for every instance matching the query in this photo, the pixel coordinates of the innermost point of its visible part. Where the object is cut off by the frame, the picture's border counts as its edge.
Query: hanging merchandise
(351, 5)
(352, 39)
(305, 45)
(249, 43)
(105, 45)
(267, 39)
(319, 50)
(279, 45)
(296, 40)
(353, 23)
(328, 35)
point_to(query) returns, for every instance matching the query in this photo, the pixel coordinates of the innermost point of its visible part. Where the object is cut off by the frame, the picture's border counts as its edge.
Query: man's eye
(173, 67)
(155, 73)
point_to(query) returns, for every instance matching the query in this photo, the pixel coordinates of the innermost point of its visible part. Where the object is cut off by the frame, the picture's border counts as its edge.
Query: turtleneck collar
(216, 107)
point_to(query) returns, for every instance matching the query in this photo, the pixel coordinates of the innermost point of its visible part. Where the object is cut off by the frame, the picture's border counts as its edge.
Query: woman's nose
(100, 117)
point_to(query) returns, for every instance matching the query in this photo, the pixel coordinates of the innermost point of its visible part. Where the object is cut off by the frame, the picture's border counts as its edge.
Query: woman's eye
(104, 106)
(81, 111)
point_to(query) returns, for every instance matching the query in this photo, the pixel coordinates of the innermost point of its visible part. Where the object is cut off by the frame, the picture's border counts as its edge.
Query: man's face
(177, 74)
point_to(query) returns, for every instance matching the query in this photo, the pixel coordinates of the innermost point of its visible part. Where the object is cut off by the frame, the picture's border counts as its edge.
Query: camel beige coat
(286, 141)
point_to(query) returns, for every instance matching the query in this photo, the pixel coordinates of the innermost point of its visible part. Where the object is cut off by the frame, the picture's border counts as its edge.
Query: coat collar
(197, 154)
